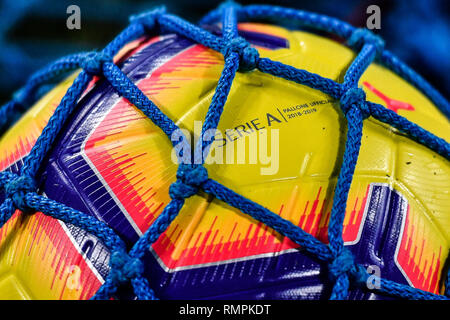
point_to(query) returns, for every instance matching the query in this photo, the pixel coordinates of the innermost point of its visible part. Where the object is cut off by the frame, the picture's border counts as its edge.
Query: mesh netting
(21, 191)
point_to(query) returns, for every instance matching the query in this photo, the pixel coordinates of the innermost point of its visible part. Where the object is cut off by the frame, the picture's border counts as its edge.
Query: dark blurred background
(34, 32)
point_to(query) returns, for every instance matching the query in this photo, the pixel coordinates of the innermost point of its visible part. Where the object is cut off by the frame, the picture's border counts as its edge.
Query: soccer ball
(112, 162)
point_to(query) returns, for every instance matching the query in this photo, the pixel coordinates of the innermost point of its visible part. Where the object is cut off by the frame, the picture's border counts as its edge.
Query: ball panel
(113, 163)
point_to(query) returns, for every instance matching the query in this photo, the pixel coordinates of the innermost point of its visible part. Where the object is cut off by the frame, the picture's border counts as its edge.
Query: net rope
(126, 267)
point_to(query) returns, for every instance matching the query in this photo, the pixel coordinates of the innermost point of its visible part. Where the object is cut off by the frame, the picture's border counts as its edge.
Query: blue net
(126, 266)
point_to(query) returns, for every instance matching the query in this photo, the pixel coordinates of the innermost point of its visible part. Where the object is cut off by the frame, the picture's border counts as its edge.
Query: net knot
(363, 36)
(355, 97)
(93, 62)
(248, 56)
(189, 180)
(17, 188)
(343, 263)
(148, 19)
(124, 267)
(359, 274)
